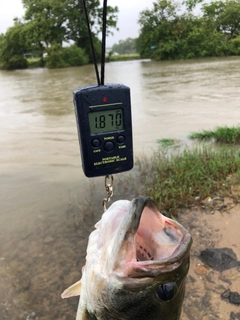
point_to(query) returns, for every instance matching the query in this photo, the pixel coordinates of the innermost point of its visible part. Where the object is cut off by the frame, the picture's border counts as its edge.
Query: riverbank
(182, 177)
(123, 57)
(35, 63)
(39, 63)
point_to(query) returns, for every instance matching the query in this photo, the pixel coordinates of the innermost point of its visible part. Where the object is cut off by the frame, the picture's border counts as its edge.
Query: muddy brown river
(48, 207)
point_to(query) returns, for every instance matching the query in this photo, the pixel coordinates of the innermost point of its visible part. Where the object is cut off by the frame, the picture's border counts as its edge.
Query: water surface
(43, 231)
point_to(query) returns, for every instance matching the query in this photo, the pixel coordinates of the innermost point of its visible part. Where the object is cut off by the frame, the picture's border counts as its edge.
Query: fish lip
(182, 249)
(156, 266)
(140, 203)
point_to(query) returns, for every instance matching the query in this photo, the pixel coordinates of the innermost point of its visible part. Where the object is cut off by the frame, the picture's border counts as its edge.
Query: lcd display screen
(106, 121)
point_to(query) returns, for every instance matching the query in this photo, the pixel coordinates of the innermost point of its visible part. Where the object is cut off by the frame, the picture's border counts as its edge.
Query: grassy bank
(124, 57)
(229, 135)
(183, 179)
(37, 62)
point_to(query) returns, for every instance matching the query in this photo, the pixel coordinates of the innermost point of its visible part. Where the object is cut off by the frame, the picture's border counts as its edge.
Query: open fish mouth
(157, 237)
(152, 243)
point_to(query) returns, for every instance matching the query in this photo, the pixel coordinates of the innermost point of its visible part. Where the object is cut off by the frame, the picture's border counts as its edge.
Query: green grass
(229, 135)
(166, 143)
(124, 57)
(34, 63)
(184, 179)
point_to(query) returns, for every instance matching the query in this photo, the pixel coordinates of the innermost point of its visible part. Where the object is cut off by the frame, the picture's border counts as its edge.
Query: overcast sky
(127, 17)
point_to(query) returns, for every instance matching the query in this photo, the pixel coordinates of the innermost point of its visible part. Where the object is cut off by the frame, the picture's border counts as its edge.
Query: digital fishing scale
(104, 122)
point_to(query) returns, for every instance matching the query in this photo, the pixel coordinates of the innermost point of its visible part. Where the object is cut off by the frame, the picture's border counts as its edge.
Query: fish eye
(166, 291)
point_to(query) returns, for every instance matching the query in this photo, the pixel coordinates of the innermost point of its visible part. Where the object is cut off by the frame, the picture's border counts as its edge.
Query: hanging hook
(109, 189)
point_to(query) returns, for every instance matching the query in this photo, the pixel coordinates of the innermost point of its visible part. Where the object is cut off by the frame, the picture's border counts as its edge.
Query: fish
(136, 265)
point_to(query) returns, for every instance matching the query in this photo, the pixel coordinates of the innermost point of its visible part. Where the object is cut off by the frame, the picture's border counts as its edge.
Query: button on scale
(95, 143)
(120, 139)
(108, 146)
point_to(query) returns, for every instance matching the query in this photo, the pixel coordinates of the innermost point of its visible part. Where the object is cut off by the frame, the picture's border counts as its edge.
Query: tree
(125, 46)
(203, 40)
(52, 21)
(167, 33)
(59, 57)
(191, 4)
(12, 47)
(45, 19)
(225, 15)
(158, 30)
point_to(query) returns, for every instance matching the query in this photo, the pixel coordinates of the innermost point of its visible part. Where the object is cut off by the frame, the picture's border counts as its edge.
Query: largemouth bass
(136, 264)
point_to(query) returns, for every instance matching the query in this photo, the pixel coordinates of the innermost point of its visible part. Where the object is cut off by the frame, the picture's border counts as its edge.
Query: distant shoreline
(37, 62)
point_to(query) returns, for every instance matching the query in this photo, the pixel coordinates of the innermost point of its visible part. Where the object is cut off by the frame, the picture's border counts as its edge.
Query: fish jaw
(145, 243)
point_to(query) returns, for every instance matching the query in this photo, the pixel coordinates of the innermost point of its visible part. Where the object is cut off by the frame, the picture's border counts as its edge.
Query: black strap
(91, 42)
(104, 31)
(104, 28)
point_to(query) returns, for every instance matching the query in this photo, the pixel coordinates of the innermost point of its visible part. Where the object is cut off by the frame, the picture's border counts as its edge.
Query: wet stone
(209, 278)
(206, 299)
(220, 288)
(226, 294)
(235, 316)
(234, 298)
(219, 259)
(191, 279)
(202, 270)
(208, 286)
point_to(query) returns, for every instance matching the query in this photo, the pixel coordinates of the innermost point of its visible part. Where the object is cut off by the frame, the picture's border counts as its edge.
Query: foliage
(230, 135)
(127, 46)
(55, 57)
(225, 15)
(51, 22)
(45, 19)
(183, 179)
(234, 46)
(191, 4)
(77, 28)
(12, 47)
(166, 143)
(156, 30)
(167, 33)
(47, 24)
(35, 63)
(15, 62)
(59, 57)
(75, 56)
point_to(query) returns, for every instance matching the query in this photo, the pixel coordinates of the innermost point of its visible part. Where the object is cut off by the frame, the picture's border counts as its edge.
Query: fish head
(136, 265)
